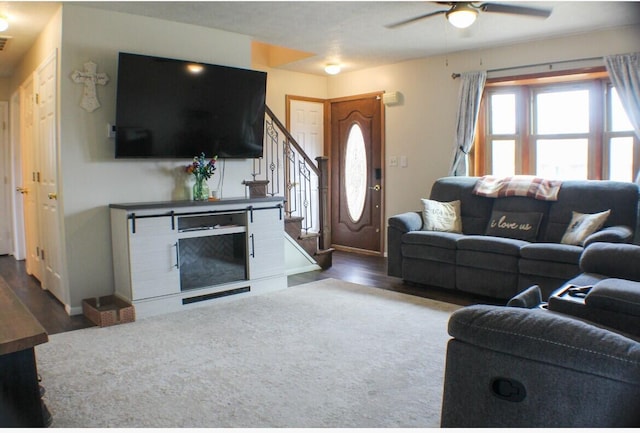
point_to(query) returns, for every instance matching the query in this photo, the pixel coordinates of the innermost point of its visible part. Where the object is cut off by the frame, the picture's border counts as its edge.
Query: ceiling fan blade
(411, 20)
(513, 9)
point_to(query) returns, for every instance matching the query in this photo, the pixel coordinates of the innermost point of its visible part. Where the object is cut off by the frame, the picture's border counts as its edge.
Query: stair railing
(294, 175)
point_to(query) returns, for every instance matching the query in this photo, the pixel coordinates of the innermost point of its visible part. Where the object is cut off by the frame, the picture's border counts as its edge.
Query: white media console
(169, 256)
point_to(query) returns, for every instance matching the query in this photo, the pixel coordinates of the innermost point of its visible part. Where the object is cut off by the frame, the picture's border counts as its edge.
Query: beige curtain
(624, 71)
(469, 97)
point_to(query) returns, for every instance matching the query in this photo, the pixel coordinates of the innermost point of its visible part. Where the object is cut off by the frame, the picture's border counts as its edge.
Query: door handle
(22, 190)
(52, 196)
(375, 187)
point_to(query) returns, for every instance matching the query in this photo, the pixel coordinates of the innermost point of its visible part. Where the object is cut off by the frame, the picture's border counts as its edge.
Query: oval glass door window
(355, 172)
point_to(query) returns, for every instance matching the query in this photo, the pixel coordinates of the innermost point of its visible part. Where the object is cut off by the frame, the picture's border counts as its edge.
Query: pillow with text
(514, 225)
(582, 225)
(441, 217)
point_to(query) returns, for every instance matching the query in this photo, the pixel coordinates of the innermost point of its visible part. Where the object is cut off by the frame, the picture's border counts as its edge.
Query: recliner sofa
(501, 267)
(574, 364)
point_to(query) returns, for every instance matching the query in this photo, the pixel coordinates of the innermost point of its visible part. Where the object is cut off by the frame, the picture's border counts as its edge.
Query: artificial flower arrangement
(202, 170)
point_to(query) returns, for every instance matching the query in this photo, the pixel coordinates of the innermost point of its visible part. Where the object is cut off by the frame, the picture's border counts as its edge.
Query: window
(555, 127)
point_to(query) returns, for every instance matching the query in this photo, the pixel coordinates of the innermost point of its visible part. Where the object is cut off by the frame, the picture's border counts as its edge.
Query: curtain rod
(456, 75)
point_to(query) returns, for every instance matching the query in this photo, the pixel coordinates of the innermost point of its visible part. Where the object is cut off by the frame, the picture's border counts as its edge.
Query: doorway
(5, 170)
(357, 173)
(38, 187)
(306, 123)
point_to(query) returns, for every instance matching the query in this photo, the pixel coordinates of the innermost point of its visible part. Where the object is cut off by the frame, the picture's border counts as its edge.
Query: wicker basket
(108, 310)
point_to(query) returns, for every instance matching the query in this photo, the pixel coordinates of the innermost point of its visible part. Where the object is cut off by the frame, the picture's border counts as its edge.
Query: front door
(356, 174)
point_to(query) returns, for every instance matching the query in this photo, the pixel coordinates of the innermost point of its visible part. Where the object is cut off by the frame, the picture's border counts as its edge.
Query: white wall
(281, 83)
(421, 128)
(91, 177)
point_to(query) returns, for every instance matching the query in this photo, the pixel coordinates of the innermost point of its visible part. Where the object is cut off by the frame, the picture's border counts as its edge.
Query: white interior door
(15, 131)
(29, 187)
(307, 127)
(49, 212)
(5, 184)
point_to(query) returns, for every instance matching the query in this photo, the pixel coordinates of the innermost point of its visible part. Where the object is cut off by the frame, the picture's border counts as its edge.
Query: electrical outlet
(111, 131)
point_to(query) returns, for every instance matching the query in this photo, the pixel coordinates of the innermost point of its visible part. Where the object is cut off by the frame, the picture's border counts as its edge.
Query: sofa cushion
(500, 263)
(583, 225)
(549, 252)
(441, 216)
(617, 295)
(437, 239)
(437, 247)
(539, 272)
(515, 225)
(491, 244)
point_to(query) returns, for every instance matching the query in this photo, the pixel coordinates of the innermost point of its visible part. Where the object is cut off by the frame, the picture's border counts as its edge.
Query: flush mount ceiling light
(332, 69)
(461, 15)
(4, 23)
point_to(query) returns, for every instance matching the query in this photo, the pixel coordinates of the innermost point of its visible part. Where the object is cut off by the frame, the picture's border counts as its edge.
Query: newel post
(324, 221)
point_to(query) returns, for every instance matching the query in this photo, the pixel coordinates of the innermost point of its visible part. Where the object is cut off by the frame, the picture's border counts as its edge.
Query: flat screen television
(168, 108)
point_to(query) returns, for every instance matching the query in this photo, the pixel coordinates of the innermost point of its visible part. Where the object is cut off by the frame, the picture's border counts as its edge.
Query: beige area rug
(324, 354)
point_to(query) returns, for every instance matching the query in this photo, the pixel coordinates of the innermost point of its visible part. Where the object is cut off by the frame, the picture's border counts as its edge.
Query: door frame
(377, 95)
(327, 152)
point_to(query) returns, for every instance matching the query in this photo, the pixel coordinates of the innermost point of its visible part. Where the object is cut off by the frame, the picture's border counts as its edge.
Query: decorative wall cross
(90, 78)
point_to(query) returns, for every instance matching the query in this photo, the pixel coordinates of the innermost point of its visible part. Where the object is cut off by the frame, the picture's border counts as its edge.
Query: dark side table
(20, 399)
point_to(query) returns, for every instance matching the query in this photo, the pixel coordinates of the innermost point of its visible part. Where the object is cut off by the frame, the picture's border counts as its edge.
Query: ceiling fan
(463, 14)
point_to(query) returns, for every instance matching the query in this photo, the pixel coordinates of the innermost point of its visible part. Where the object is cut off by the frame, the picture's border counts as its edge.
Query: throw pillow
(441, 217)
(514, 225)
(582, 225)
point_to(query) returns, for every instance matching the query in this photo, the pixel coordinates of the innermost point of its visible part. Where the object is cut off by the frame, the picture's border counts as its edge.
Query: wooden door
(356, 174)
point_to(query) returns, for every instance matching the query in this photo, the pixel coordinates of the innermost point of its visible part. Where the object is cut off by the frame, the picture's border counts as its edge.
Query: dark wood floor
(356, 268)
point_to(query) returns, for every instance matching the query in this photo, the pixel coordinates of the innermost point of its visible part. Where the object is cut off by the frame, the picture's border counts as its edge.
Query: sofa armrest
(612, 260)
(398, 226)
(544, 336)
(613, 234)
(528, 298)
(406, 222)
(613, 294)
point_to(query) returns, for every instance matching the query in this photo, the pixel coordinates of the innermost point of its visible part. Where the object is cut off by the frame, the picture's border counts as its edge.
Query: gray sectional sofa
(575, 363)
(500, 267)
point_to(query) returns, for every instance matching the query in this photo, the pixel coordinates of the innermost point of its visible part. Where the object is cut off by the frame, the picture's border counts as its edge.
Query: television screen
(167, 108)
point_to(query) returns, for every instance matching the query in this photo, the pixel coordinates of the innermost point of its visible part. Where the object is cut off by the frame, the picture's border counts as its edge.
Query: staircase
(286, 170)
(308, 241)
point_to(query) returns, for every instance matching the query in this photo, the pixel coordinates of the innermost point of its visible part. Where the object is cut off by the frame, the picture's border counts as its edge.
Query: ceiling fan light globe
(462, 18)
(4, 24)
